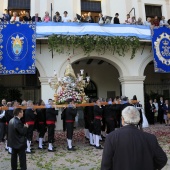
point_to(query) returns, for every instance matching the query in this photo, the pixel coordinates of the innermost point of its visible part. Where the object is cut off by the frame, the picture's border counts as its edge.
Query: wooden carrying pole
(63, 105)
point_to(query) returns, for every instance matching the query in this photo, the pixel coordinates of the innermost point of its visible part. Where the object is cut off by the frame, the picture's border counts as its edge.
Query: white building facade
(119, 74)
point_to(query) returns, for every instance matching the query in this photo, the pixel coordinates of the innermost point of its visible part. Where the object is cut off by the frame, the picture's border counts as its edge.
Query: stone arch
(40, 69)
(116, 62)
(143, 64)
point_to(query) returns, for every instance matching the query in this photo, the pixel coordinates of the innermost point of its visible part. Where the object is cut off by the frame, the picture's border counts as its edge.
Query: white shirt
(66, 19)
(163, 22)
(156, 105)
(147, 23)
(2, 114)
(12, 19)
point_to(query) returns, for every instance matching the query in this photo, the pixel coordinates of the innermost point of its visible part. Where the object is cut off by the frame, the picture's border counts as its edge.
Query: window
(19, 4)
(92, 6)
(153, 10)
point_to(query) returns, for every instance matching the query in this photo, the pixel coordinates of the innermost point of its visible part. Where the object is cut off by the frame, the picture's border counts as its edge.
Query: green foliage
(10, 94)
(89, 43)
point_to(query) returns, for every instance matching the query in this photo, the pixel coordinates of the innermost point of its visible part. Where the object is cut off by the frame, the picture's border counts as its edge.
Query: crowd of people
(158, 112)
(88, 18)
(100, 121)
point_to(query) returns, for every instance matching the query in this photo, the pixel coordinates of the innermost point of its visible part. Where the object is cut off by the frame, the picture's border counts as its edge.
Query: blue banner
(161, 49)
(17, 48)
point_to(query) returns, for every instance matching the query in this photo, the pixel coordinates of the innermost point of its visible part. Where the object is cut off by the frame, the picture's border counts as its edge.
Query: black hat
(134, 97)
(116, 14)
(57, 13)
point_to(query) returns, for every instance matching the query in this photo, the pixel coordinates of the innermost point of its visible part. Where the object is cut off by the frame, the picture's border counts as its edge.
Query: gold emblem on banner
(164, 53)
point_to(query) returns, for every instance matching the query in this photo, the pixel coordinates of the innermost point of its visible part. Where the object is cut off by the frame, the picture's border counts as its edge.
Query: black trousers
(6, 131)
(110, 125)
(103, 127)
(97, 127)
(22, 159)
(160, 116)
(41, 128)
(51, 129)
(2, 131)
(91, 127)
(69, 127)
(30, 132)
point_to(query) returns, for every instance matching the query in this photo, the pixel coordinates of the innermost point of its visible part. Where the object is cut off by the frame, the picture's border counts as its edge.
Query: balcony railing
(75, 28)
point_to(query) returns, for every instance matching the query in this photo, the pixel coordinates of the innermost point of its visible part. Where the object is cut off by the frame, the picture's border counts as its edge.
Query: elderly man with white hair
(131, 149)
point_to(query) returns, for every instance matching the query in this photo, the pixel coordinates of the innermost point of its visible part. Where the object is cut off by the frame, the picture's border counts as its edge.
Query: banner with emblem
(17, 48)
(161, 49)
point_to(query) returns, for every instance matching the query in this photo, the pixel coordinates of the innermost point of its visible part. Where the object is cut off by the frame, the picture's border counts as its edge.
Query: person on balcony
(89, 18)
(139, 21)
(128, 20)
(116, 19)
(36, 18)
(163, 22)
(155, 22)
(133, 20)
(27, 17)
(57, 17)
(101, 19)
(66, 18)
(46, 18)
(6, 16)
(148, 22)
(15, 17)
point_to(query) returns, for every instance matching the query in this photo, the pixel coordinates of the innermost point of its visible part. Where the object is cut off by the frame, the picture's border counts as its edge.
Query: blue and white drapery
(47, 29)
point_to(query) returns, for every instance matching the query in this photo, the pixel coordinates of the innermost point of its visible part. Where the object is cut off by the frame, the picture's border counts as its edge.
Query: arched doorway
(21, 87)
(104, 77)
(156, 84)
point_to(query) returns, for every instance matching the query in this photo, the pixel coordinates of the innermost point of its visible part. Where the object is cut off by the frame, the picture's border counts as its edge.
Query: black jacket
(41, 115)
(16, 134)
(9, 115)
(33, 19)
(116, 20)
(51, 114)
(70, 113)
(88, 114)
(128, 148)
(98, 112)
(29, 115)
(110, 112)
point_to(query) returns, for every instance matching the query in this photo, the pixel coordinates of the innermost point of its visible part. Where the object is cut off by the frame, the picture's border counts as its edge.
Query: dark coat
(16, 134)
(51, 114)
(55, 18)
(116, 20)
(27, 18)
(131, 149)
(70, 113)
(29, 115)
(33, 19)
(166, 109)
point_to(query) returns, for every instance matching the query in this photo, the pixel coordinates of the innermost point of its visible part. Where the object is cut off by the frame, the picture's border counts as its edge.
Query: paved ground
(85, 157)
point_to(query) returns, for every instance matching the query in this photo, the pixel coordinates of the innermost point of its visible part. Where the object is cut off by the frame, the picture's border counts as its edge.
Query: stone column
(46, 91)
(133, 85)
